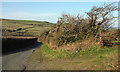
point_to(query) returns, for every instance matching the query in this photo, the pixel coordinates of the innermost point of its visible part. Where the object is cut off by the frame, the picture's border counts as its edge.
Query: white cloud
(26, 15)
(51, 17)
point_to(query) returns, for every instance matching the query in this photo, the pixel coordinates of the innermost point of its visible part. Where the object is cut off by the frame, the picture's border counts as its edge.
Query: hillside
(24, 27)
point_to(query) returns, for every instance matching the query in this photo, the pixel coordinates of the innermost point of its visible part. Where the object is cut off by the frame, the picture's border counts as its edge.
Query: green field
(24, 27)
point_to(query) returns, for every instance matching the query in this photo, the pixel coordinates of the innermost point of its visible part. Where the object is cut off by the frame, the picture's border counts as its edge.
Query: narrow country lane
(16, 60)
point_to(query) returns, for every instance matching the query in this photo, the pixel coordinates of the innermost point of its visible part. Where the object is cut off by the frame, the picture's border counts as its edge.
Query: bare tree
(70, 28)
(101, 17)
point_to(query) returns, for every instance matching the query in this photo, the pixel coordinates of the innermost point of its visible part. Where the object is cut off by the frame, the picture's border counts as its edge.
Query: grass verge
(92, 58)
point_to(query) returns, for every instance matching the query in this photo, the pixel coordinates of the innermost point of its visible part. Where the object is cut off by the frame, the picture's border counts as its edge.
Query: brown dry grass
(77, 45)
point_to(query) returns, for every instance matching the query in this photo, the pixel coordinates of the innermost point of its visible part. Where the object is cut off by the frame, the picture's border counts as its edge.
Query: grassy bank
(94, 57)
(11, 44)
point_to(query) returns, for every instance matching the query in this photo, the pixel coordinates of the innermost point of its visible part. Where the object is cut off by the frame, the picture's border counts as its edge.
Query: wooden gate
(108, 39)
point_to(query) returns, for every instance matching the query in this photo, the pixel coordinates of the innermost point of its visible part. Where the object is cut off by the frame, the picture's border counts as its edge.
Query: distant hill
(24, 27)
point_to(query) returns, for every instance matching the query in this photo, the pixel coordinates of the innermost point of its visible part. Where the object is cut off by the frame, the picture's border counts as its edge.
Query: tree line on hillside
(78, 28)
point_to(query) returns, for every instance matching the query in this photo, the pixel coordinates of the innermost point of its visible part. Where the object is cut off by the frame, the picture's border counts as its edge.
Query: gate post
(113, 39)
(101, 41)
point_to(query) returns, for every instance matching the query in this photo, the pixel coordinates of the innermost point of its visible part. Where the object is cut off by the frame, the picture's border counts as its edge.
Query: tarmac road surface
(16, 60)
